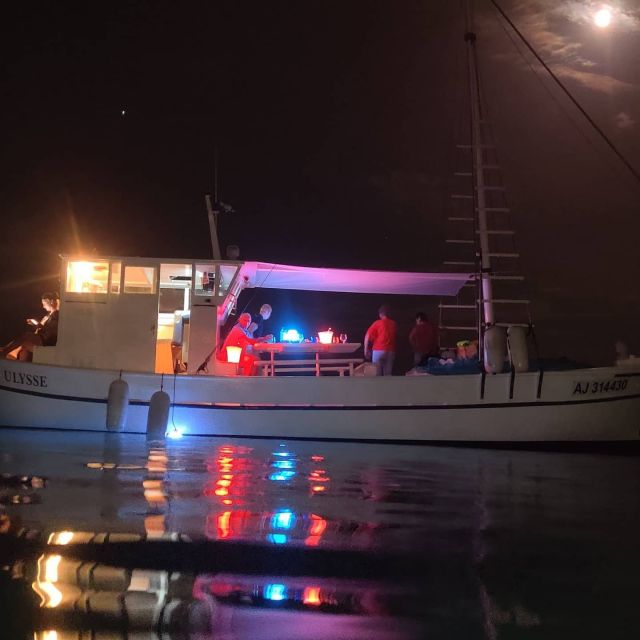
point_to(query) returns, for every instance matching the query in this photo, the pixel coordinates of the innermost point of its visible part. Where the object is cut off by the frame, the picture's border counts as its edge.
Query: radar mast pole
(213, 213)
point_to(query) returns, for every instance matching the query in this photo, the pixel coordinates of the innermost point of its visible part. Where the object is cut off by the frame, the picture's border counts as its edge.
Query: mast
(483, 237)
(213, 228)
(478, 175)
(212, 212)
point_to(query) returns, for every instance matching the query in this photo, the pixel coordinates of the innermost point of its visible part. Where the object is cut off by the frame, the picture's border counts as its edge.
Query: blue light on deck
(283, 520)
(175, 433)
(275, 592)
(278, 538)
(291, 335)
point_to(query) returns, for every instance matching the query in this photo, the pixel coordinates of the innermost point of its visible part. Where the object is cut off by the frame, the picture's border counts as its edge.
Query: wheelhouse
(140, 314)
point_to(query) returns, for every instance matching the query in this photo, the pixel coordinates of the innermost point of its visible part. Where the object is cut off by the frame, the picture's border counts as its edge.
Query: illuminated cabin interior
(141, 314)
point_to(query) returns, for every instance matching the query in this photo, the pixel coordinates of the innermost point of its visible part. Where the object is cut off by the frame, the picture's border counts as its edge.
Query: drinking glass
(343, 337)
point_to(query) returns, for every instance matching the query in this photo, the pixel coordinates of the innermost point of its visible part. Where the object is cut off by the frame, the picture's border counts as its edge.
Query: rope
(566, 91)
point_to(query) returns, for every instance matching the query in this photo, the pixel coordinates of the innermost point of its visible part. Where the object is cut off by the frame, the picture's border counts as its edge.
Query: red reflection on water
(230, 467)
(318, 478)
(317, 528)
(336, 596)
(311, 596)
(229, 484)
(228, 524)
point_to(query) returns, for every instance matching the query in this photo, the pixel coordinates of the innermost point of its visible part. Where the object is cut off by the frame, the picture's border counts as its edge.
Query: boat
(128, 326)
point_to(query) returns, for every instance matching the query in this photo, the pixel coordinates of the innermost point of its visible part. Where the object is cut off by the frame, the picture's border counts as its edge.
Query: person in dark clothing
(423, 339)
(45, 331)
(256, 328)
(47, 327)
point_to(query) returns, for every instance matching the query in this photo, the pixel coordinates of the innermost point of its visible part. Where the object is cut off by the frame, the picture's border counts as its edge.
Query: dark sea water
(112, 536)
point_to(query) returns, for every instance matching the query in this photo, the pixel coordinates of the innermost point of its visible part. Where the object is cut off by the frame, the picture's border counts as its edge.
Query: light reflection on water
(498, 543)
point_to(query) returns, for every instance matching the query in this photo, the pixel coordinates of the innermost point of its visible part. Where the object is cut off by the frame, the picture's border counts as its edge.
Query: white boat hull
(584, 405)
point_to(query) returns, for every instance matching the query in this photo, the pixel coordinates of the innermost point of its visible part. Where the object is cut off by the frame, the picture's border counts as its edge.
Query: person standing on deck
(423, 339)
(382, 335)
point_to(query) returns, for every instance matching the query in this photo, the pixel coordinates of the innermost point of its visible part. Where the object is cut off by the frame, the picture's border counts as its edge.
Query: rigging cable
(253, 295)
(204, 366)
(607, 162)
(566, 91)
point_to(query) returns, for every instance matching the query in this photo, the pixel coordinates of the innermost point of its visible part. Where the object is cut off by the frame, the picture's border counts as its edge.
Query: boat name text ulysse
(599, 386)
(26, 379)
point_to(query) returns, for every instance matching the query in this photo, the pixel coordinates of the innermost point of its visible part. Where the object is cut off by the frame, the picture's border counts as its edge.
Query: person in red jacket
(239, 336)
(423, 339)
(382, 335)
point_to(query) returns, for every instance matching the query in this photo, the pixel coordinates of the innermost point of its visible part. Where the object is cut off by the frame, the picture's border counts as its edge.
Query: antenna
(214, 209)
(213, 228)
(215, 174)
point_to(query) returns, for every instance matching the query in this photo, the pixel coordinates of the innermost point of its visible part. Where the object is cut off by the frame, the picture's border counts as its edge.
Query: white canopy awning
(281, 276)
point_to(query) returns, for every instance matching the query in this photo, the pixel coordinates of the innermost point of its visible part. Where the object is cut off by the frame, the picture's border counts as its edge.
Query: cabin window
(139, 279)
(172, 300)
(87, 276)
(205, 280)
(227, 273)
(175, 276)
(116, 270)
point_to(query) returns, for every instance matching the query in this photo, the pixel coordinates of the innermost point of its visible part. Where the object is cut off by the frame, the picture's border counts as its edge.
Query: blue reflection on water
(283, 520)
(278, 538)
(517, 540)
(282, 476)
(283, 464)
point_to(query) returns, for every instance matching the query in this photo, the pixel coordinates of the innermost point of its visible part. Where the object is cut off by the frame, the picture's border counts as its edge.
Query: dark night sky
(336, 124)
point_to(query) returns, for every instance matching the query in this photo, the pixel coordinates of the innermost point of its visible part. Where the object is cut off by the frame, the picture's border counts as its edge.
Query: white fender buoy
(495, 349)
(158, 417)
(117, 404)
(518, 351)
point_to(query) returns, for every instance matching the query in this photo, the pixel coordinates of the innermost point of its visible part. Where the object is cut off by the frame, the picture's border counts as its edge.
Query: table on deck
(312, 362)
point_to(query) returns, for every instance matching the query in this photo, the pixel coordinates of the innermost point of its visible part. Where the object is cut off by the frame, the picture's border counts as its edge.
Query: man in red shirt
(239, 337)
(423, 339)
(382, 333)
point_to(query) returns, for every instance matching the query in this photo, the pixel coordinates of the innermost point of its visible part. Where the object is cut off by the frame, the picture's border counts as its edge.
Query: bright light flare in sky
(602, 18)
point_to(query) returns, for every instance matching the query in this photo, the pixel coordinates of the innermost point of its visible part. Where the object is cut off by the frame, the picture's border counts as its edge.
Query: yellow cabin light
(85, 276)
(233, 354)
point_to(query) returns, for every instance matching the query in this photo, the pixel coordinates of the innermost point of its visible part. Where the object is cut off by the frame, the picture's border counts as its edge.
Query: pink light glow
(281, 276)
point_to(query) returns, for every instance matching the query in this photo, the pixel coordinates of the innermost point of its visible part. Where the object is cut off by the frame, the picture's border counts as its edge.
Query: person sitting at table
(45, 331)
(256, 328)
(239, 336)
